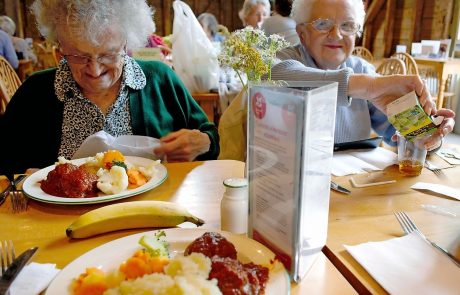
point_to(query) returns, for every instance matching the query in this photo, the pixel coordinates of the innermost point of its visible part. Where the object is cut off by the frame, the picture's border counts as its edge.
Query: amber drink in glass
(411, 156)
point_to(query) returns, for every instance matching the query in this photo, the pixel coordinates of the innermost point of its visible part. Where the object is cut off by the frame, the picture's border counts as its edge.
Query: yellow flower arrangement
(250, 51)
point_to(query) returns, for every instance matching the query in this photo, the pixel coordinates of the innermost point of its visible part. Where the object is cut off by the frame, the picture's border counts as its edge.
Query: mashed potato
(183, 275)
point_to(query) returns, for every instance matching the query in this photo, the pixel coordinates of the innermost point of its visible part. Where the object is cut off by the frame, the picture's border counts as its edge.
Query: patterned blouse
(83, 118)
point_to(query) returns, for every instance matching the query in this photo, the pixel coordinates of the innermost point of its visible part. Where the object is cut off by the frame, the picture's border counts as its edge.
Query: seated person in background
(98, 87)
(327, 30)
(209, 23)
(280, 23)
(154, 41)
(20, 45)
(254, 12)
(7, 50)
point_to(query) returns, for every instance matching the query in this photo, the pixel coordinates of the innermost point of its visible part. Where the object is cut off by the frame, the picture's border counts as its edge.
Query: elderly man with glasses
(97, 86)
(327, 30)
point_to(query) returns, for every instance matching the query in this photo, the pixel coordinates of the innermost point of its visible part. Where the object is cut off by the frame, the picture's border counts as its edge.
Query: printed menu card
(290, 147)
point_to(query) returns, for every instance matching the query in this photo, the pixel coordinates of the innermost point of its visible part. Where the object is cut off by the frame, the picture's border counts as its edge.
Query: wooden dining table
(196, 185)
(367, 214)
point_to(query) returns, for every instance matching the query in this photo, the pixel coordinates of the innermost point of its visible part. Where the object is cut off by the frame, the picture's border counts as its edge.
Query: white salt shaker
(234, 206)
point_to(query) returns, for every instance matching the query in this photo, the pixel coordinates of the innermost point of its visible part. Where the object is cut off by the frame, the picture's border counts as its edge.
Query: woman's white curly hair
(90, 19)
(301, 10)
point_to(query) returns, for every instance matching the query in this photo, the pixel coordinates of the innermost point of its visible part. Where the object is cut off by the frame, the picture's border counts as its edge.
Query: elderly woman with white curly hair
(327, 30)
(97, 86)
(254, 12)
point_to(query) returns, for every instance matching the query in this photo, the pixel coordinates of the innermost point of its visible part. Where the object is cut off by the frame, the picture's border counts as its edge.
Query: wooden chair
(9, 83)
(363, 53)
(45, 56)
(56, 54)
(391, 66)
(411, 65)
(25, 69)
(209, 102)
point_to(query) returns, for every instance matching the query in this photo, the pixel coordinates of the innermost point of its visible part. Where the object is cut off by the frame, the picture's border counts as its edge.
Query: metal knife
(14, 269)
(10, 187)
(339, 188)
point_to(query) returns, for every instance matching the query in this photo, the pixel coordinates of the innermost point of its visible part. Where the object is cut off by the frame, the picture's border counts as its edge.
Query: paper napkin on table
(408, 265)
(33, 279)
(438, 188)
(360, 161)
(129, 145)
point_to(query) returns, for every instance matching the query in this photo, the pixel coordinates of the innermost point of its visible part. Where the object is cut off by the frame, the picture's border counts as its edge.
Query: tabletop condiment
(234, 206)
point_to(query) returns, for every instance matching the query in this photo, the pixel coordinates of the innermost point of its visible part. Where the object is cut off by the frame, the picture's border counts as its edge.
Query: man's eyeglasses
(108, 59)
(325, 25)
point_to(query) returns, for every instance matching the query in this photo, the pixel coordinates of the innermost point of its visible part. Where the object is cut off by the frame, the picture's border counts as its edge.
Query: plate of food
(237, 262)
(105, 177)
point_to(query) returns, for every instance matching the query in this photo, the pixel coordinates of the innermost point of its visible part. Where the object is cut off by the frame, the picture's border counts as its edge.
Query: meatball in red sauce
(71, 181)
(212, 244)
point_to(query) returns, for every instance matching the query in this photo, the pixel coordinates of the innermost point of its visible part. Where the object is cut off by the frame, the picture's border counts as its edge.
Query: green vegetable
(155, 245)
(120, 163)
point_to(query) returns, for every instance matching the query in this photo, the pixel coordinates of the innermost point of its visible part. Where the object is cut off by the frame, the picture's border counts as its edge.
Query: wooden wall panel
(226, 13)
(413, 20)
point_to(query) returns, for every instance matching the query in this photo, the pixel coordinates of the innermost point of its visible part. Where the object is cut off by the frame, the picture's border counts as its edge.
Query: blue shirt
(7, 49)
(355, 119)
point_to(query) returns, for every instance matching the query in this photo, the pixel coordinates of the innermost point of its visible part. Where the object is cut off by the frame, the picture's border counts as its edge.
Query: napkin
(360, 161)
(438, 188)
(33, 279)
(408, 265)
(129, 145)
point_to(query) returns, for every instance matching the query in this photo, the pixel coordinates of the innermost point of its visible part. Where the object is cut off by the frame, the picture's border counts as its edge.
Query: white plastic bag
(194, 57)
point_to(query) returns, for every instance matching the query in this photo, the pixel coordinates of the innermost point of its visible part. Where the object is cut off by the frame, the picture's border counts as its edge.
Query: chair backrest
(391, 66)
(45, 56)
(364, 53)
(9, 83)
(411, 65)
(56, 54)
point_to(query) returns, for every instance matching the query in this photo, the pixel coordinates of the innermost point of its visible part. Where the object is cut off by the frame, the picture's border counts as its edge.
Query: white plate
(33, 190)
(109, 256)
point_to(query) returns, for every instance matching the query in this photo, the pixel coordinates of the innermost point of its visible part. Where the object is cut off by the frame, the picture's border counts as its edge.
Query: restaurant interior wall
(393, 22)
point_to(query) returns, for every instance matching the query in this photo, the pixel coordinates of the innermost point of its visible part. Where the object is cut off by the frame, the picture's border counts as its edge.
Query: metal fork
(409, 226)
(18, 201)
(433, 168)
(7, 255)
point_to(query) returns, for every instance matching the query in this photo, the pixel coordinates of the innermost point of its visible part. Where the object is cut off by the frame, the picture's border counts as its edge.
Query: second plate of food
(32, 189)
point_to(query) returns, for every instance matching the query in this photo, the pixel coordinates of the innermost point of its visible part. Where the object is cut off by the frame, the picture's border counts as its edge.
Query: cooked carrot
(141, 263)
(112, 155)
(91, 282)
(135, 178)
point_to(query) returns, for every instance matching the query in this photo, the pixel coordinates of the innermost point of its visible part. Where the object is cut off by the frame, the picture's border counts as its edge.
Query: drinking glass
(411, 155)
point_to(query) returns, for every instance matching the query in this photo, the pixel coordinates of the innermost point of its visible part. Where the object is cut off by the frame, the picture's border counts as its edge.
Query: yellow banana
(138, 214)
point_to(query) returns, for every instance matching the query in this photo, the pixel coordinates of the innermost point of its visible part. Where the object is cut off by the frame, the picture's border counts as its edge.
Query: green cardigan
(31, 126)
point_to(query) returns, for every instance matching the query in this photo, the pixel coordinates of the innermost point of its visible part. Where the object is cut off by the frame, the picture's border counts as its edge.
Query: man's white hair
(301, 11)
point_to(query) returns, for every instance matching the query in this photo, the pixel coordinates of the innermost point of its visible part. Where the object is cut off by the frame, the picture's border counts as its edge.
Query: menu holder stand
(290, 148)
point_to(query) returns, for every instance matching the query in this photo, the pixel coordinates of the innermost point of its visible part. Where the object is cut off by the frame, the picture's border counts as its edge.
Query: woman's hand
(382, 90)
(183, 145)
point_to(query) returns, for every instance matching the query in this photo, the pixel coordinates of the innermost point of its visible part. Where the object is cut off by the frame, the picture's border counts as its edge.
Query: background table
(196, 185)
(443, 68)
